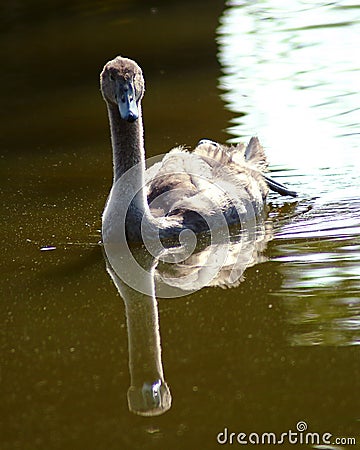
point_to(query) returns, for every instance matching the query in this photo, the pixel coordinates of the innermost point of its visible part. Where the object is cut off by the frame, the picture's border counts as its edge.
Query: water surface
(279, 348)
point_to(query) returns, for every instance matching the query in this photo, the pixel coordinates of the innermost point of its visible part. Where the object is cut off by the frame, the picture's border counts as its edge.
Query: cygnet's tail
(255, 155)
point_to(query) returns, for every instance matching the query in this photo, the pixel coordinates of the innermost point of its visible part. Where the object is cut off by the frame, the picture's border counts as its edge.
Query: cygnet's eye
(111, 76)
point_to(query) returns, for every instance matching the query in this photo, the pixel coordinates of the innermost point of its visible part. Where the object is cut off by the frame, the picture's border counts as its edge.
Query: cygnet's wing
(251, 156)
(179, 182)
(210, 177)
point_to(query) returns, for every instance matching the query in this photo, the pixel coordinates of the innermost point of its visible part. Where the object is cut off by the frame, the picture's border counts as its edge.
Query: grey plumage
(187, 190)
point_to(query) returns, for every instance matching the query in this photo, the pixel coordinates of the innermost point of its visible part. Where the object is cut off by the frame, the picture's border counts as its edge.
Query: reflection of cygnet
(172, 274)
(211, 185)
(219, 264)
(148, 394)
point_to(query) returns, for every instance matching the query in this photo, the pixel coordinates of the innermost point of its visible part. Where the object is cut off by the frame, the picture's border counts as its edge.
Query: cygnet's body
(186, 190)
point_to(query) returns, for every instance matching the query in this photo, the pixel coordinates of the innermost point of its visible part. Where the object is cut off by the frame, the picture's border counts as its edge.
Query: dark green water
(280, 348)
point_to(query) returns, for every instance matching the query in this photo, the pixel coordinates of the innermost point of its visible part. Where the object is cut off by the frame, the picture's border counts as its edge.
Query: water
(282, 346)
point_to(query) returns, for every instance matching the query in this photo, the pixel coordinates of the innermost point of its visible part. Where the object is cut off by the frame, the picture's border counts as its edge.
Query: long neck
(127, 142)
(129, 188)
(129, 169)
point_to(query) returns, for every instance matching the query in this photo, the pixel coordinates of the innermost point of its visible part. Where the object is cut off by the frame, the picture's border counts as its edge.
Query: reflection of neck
(144, 338)
(148, 394)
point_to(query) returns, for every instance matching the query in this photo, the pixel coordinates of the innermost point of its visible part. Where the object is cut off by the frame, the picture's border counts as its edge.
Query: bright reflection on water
(290, 74)
(290, 71)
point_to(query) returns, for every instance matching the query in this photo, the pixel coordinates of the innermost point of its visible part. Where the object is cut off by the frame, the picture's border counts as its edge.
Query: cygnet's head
(122, 84)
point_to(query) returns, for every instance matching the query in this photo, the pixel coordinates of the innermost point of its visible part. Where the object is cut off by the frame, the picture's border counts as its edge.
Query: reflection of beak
(126, 102)
(150, 399)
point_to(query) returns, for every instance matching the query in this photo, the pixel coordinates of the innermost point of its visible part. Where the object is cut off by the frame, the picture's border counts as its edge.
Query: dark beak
(126, 102)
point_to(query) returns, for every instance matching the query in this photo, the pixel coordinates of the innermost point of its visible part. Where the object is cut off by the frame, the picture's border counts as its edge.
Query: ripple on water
(335, 220)
(321, 249)
(319, 252)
